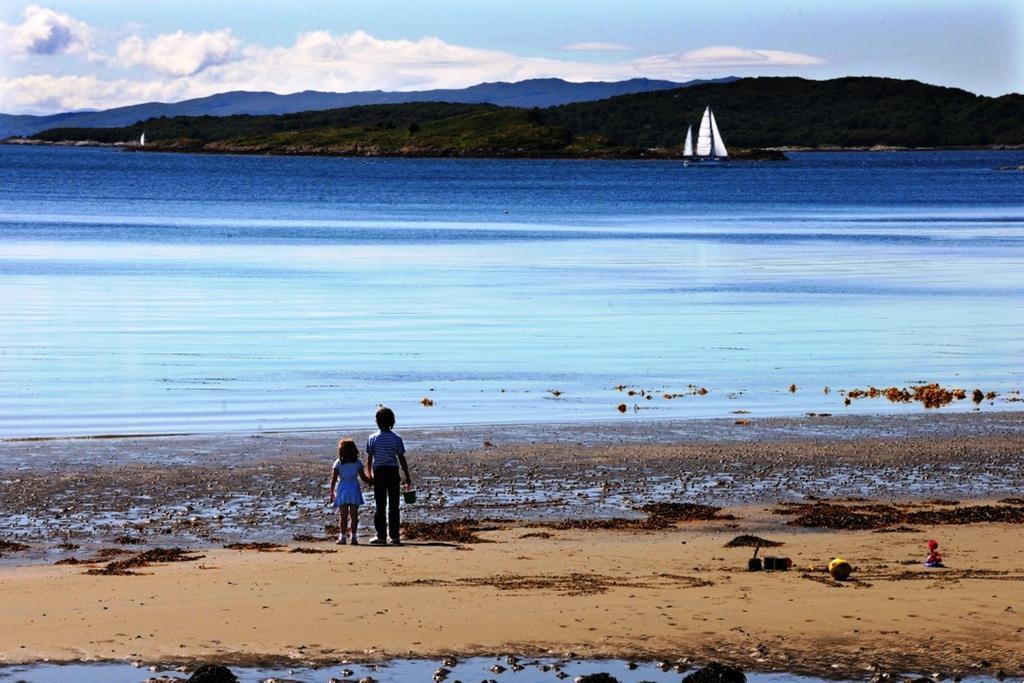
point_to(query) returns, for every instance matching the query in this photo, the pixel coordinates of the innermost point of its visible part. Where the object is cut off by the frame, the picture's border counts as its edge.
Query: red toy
(934, 558)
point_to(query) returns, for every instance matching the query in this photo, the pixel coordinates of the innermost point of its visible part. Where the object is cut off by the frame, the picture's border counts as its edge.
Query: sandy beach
(531, 541)
(674, 593)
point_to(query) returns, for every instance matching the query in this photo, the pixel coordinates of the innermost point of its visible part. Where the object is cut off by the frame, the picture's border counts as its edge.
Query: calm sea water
(166, 293)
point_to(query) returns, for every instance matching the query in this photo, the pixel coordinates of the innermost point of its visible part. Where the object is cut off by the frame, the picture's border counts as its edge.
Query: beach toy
(934, 558)
(840, 569)
(409, 495)
(777, 564)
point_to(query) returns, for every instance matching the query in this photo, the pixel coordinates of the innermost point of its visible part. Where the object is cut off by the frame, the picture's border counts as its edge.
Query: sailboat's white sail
(688, 145)
(718, 146)
(142, 140)
(704, 134)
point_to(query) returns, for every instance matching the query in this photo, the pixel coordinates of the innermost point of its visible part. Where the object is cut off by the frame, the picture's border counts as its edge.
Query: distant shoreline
(615, 155)
(649, 154)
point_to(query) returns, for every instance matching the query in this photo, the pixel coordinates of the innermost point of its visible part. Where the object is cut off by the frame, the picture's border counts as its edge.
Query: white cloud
(180, 53)
(46, 94)
(44, 32)
(727, 57)
(596, 47)
(183, 66)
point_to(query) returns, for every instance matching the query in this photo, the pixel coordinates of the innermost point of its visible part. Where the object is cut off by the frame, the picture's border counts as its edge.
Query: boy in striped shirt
(385, 452)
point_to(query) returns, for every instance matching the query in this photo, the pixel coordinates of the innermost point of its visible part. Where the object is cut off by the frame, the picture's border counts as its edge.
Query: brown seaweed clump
(933, 396)
(659, 516)
(144, 559)
(11, 546)
(261, 546)
(127, 539)
(930, 395)
(683, 512)
(453, 531)
(895, 395)
(826, 515)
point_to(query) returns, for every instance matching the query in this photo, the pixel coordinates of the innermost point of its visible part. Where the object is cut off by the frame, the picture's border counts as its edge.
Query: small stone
(212, 673)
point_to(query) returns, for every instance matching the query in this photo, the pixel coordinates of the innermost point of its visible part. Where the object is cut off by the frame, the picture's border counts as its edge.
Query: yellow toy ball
(839, 569)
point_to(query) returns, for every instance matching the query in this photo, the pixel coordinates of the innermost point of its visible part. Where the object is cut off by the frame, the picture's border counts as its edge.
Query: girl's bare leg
(353, 511)
(342, 522)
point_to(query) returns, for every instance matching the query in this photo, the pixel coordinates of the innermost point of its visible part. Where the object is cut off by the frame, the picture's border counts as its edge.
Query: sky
(97, 54)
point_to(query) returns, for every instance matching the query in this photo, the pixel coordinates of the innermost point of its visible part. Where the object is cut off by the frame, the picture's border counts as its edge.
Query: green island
(758, 116)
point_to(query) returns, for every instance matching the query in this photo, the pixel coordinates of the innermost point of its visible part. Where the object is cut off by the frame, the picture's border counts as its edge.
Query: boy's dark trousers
(386, 491)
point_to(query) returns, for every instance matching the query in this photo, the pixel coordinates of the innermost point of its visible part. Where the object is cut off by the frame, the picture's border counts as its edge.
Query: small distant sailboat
(142, 139)
(710, 146)
(688, 145)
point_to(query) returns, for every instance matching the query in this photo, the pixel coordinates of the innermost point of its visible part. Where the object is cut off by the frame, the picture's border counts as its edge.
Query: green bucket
(409, 496)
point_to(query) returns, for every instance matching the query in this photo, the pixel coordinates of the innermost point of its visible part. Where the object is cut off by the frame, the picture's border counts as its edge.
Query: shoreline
(672, 428)
(653, 154)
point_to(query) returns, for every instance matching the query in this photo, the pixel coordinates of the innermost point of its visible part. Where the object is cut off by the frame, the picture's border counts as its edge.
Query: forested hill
(535, 92)
(773, 112)
(751, 113)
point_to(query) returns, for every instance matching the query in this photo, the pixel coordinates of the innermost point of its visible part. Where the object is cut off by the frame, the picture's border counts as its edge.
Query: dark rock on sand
(212, 673)
(12, 546)
(716, 672)
(601, 677)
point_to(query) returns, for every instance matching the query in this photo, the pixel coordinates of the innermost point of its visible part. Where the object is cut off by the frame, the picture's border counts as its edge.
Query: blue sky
(95, 54)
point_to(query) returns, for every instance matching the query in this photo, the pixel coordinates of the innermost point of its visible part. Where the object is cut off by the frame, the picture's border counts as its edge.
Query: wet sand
(547, 580)
(207, 490)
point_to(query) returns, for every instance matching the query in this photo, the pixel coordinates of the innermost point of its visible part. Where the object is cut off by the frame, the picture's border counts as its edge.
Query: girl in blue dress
(346, 495)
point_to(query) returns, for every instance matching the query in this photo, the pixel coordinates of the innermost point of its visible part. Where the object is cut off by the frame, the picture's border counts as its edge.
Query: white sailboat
(710, 146)
(142, 139)
(688, 145)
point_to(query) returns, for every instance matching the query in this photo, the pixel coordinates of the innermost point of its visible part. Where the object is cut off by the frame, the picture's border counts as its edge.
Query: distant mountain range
(538, 92)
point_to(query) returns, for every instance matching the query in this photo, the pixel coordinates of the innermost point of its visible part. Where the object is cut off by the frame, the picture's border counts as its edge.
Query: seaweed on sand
(683, 512)
(574, 583)
(310, 538)
(659, 516)
(261, 546)
(453, 531)
(11, 546)
(127, 539)
(878, 516)
(144, 559)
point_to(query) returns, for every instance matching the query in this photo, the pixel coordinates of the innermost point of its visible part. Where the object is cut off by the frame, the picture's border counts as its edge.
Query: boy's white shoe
(341, 539)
